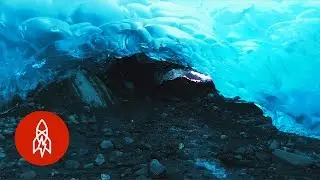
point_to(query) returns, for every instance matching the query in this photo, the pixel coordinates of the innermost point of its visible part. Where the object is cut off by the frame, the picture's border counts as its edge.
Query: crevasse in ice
(266, 52)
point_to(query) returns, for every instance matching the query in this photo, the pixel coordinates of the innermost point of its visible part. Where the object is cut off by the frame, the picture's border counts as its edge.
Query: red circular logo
(42, 138)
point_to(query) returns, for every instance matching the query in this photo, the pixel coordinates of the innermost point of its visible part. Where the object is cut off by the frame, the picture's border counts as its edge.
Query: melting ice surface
(266, 52)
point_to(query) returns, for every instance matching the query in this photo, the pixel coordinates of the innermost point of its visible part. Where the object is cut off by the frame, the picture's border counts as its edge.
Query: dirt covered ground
(178, 130)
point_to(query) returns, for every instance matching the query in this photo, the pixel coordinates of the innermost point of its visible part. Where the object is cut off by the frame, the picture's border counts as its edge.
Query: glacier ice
(265, 52)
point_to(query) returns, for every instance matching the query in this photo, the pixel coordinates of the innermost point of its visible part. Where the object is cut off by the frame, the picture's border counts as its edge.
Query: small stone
(243, 134)
(83, 119)
(238, 156)
(142, 177)
(223, 136)
(147, 145)
(156, 168)
(54, 172)
(181, 146)
(126, 172)
(88, 166)
(73, 119)
(262, 156)
(72, 165)
(2, 164)
(106, 144)
(114, 156)
(105, 177)
(129, 85)
(92, 119)
(241, 150)
(164, 115)
(2, 138)
(8, 131)
(21, 161)
(10, 164)
(28, 175)
(205, 136)
(99, 159)
(108, 131)
(128, 140)
(2, 155)
(294, 159)
(86, 108)
(274, 145)
(83, 151)
(142, 171)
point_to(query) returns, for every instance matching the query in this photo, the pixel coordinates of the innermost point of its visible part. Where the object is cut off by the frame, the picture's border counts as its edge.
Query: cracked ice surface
(265, 52)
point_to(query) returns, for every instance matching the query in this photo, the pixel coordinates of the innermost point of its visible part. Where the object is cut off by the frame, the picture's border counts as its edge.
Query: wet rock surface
(150, 133)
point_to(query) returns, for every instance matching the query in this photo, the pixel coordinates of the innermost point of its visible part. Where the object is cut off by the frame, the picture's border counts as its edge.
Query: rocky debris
(156, 168)
(72, 164)
(274, 145)
(2, 155)
(83, 151)
(126, 172)
(243, 134)
(88, 166)
(108, 131)
(105, 177)
(54, 172)
(8, 131)
(2, 165)
(91, 90)
(2, 138)
(106, 144)
(223, 137)
(129, 85)
(241, 150)
(293, 158)
(99, 159)
(263, 156)
(143, 170)
(142, 177)
(128, 140)
(83, 88)
(115, 155)
(164, 115)
(28, 175)
(73, 119)
(86, 109)
(21, 162)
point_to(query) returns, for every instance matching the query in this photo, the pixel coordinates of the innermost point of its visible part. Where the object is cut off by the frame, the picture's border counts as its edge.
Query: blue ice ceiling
(266, 52)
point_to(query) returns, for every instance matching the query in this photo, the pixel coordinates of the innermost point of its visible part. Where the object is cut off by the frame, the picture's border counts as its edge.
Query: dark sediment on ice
(158, 128)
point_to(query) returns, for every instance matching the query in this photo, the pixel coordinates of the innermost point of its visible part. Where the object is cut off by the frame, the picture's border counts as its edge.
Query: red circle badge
(42, 138)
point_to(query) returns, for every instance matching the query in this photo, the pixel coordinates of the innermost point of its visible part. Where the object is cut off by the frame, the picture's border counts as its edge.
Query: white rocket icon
(42, 142)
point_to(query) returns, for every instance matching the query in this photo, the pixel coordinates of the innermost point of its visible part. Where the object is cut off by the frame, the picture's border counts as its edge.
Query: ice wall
(266, 52)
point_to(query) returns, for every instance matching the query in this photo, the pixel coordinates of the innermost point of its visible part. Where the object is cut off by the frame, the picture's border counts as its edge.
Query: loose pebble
(99, 159)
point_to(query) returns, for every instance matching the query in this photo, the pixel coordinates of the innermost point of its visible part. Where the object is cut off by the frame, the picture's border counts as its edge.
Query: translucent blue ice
(266, 52)
(214, 167)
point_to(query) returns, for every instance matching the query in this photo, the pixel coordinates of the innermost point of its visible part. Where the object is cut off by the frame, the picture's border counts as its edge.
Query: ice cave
(262, 52)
